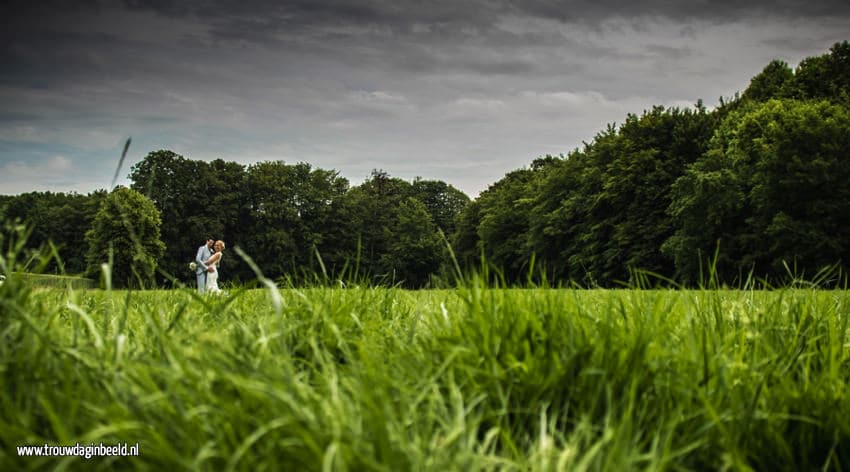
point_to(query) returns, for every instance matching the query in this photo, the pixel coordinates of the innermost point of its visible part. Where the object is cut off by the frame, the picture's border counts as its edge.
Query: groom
(204, 253)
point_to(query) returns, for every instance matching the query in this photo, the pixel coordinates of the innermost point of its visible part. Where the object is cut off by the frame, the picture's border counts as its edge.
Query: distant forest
(757, 187)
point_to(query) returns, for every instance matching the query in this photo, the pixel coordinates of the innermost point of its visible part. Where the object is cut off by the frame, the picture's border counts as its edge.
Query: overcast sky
(461, 91)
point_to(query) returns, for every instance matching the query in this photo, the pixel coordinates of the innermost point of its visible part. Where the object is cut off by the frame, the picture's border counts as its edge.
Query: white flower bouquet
(193, 266)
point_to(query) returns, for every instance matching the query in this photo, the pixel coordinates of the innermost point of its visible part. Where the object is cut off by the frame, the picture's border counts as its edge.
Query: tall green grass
(475, 378)
(55, 281)
(472, 378)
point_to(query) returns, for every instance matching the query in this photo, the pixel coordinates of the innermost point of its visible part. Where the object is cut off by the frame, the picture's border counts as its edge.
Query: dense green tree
(602, 211)
(561, 214)
(570, 218)
(58, 218)
(226, 200)
(373, 207)
(772, 82)
(284, 215)
(505, 209)
(799, 194)
(414, 252)
(295, 211)
(823, 77)
(465, 241)
(442, 201)
(708, 208)
(195, 200)
(653, 152)
(127, 226)
(772, 191)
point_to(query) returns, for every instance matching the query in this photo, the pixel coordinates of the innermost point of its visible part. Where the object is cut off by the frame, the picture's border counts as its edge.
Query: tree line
(293, 220)
(757, 186)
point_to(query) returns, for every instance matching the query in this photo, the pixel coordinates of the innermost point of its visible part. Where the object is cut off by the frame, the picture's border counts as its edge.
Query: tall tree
(569, 227)
(374, 208)
(824, 77)
(127, 226)
(295, 211)
(505, 208)
(414, 253)
(654, 151)
(57, 218)
(196, 200)
(773, 81)
(772, 190)
(442, 201)
(465, 241)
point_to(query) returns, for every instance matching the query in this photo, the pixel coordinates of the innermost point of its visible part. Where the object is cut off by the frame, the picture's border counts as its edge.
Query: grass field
(468, 379)
(56, 281)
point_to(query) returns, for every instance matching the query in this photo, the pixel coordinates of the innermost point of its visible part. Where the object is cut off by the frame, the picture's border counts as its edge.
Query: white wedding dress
(212, 278)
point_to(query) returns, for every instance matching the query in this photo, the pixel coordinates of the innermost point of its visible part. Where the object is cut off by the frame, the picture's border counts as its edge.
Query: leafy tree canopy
(126, 232)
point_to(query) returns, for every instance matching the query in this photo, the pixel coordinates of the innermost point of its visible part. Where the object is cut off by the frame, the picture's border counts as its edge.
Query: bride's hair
(220, 243)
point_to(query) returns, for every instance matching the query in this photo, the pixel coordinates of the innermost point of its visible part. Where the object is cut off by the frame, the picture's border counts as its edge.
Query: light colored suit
(204, 253)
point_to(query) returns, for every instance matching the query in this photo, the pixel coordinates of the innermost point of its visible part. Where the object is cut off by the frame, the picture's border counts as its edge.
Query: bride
(214, 261)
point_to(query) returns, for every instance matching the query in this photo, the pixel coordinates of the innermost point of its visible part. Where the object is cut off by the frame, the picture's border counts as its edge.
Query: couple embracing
(207, 261)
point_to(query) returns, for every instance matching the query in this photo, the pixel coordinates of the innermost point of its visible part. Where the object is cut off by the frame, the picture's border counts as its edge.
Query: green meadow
(386, 379)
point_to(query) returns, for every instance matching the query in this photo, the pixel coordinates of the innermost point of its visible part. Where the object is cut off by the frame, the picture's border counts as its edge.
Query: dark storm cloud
(448, 10)
(272, 21)
(50, 55)
(42, 38)
(424, 36)
(401, 15)
(710, 10)
(474, 88)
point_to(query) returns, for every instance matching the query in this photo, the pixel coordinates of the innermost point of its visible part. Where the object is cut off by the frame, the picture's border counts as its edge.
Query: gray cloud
(710, 10)
(462, 91)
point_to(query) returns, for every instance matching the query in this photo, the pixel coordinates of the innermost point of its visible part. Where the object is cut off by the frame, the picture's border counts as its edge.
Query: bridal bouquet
(193, 266)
